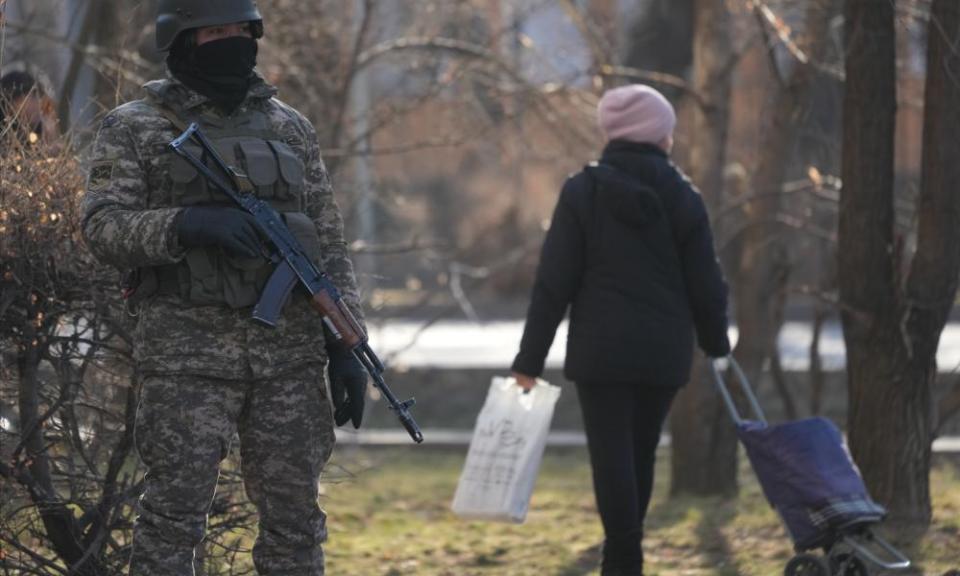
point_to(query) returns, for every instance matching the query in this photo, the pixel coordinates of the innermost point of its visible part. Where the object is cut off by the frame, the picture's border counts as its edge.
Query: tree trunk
(867, 261)
(892, 333)
(892, 336)
(779, 378)
(764, 265)
(77, 60)
(704, 443)
(949, 406)
(662, 37)
(935, 271)
(817, 375)
(704, 460)
(31, 429)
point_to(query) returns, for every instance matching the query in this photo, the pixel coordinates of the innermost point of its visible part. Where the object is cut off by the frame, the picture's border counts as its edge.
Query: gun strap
(241, 181)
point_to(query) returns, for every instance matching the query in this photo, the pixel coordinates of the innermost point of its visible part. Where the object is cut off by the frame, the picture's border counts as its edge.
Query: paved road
(452, 344)
(438, 437)
(491, 345)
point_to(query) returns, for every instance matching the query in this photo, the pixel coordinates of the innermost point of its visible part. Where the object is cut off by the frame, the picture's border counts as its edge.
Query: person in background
(27, 112)
(630, 253)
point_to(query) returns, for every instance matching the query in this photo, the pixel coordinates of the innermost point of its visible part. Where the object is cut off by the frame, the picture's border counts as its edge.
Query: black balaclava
(221, 70)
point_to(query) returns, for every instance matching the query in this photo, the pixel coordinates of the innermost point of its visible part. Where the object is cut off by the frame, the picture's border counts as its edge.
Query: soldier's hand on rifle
(348, 385)
(231, 229)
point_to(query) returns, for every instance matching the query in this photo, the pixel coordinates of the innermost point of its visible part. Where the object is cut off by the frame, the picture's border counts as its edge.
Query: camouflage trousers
(185, 425)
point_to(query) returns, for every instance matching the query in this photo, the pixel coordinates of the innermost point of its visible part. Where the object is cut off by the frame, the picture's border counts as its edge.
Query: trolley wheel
(807, 565)
(847, 564)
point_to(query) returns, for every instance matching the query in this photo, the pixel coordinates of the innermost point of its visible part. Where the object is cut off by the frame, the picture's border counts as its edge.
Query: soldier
(207, 371)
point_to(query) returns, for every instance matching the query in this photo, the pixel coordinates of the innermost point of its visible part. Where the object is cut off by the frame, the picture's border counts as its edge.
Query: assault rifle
(294, 267)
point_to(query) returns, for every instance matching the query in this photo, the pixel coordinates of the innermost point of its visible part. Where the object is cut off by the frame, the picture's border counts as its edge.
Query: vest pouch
(305, 231)
(260, 165)
(243, 280)
(189, 187)
(216, 279)
(204, 282)
(291, 171)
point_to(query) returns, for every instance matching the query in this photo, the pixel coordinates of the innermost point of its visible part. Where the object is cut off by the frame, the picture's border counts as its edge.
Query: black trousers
(623, 424)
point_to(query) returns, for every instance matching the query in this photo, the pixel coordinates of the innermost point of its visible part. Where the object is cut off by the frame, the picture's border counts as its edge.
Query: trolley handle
(744, 384)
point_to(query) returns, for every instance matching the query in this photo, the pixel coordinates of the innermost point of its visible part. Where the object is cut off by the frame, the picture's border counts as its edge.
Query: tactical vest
(269, 168)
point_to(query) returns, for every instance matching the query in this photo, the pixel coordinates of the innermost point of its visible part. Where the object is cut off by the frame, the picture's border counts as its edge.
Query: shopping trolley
(808, 476)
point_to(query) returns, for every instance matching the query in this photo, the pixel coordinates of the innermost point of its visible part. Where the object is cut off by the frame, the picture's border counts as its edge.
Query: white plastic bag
(505, 452)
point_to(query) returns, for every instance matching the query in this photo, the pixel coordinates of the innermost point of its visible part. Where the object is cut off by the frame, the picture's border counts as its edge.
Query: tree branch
(353, 69)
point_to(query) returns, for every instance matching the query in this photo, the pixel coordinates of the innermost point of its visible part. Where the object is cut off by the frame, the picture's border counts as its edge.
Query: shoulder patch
(101, 173)
(110, 121)
(294, 142)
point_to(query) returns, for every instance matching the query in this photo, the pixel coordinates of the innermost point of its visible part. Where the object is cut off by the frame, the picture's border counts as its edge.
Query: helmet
(175, 16)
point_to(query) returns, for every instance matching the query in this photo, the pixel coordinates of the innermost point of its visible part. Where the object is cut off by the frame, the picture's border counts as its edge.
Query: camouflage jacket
(128, 220)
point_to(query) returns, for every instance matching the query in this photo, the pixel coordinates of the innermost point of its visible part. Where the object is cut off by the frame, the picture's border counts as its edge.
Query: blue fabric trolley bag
(808, 476)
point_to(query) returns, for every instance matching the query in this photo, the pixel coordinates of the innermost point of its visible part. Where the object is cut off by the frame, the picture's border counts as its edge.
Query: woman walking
(630, 252)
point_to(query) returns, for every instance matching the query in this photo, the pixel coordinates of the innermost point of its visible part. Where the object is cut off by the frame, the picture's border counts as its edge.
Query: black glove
(348, 385)
(718, 347)
(229, 228)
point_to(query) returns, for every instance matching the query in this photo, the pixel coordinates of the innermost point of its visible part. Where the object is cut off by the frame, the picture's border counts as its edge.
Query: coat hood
(629, 200)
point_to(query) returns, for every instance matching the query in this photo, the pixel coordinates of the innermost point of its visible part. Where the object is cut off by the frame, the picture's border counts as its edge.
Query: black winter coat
(631, 253)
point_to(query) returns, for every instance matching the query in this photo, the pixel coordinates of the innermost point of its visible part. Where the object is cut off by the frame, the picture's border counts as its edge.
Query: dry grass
(393, 519)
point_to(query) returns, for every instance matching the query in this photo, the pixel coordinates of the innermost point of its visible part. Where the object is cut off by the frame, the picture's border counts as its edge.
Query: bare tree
(662, 37)
(704, 446)
(705, 458)
(64, 352)
(764, 265)
(896, 303)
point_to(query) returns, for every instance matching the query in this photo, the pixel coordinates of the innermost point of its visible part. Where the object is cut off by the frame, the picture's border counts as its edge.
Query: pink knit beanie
(637, 113)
